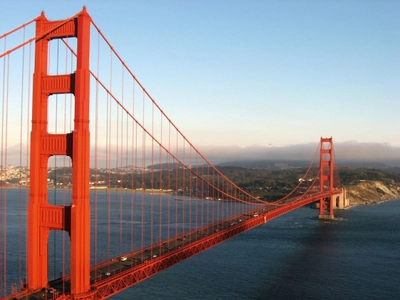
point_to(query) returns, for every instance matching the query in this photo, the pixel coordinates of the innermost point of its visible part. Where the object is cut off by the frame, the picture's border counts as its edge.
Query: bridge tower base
(326, 209)
(326, 217)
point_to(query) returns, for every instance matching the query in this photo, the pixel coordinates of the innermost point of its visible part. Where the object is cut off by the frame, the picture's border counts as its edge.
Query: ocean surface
(293, 257)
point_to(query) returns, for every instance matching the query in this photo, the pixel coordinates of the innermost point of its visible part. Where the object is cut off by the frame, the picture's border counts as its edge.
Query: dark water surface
(293, 257)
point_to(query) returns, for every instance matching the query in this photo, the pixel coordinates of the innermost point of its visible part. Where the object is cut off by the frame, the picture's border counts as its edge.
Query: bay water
(293, 257)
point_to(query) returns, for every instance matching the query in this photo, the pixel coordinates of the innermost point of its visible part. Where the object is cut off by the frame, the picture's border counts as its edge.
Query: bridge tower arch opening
(337, 201)
(43, 217)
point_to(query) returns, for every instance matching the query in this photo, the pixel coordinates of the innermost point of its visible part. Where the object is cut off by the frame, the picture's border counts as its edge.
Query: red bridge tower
(43, 216)
(326, 178)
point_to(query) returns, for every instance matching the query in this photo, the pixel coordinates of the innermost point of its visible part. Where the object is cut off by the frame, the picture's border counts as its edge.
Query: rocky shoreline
(370, 192)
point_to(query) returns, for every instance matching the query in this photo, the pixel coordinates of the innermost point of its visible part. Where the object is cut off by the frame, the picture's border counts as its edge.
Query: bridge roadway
(120, 273)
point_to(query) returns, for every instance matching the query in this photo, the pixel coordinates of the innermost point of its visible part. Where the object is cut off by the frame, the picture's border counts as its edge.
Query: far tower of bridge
(337, 197)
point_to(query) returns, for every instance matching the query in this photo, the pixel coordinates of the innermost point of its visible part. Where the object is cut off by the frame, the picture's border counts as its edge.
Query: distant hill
(346, 153)
(266, 164)
(288, 164)
(364, 185)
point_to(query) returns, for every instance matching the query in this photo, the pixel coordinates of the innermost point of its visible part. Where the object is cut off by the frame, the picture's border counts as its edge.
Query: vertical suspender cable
(2, 190)
(107, 162)
(152, 179)
(121, 164)
(2, 169)
(160, 171)
(111, 164)
(4, 162)
(197, 192)
(118, 170)
(176, 188)
(203, 194)
(96, 155)
(190, 190)
(27, 142)
(20, 202)
(143, 181)
(183, 186)
(134, 163)
(108, 155)
(169, 174)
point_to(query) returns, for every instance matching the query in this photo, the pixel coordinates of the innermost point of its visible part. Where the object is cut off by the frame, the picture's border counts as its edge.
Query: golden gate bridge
(128, 195)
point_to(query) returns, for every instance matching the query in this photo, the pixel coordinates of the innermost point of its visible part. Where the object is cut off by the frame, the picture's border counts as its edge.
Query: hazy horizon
(350, 151)
(344, 152)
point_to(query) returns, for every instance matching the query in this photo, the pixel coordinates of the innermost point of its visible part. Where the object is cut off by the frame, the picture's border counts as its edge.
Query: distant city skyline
(269, 73)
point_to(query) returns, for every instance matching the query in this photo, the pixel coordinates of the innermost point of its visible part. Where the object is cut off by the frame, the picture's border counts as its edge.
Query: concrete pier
(340, 201)
(326, 217)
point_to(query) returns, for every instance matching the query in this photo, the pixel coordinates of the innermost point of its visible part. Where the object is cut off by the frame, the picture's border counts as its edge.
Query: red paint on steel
(43, 217)
(326, 176)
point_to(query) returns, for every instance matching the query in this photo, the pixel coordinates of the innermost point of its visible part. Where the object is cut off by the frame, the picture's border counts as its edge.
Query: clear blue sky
(245, 72)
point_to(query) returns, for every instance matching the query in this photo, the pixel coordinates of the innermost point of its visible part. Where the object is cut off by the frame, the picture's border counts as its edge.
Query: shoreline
(365, 193)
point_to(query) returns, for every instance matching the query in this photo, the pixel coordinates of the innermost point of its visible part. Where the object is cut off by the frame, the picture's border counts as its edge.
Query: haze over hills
(349, 153)
(346, 153)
